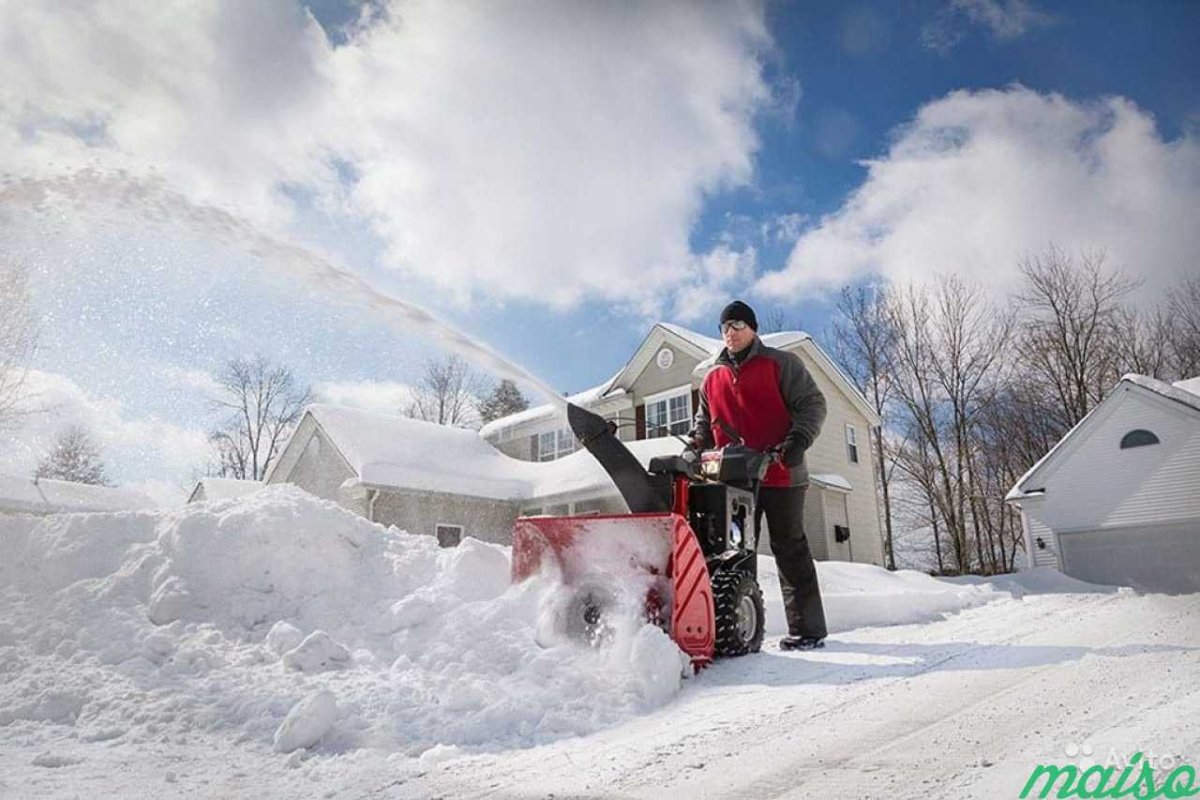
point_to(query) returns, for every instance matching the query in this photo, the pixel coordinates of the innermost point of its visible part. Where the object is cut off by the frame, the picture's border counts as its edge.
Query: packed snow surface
(230, 644)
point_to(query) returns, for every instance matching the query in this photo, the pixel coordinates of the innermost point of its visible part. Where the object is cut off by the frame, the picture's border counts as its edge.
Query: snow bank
(863, 595)
(1039, 580)
(293, 623)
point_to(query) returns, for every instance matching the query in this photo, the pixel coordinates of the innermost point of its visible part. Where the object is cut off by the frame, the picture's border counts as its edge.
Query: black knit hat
(739, 310)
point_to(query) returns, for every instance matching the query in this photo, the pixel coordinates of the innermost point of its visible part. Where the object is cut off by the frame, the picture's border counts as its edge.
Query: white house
(20, 495)
(437, 480)
(1117, 500)
(654, 395)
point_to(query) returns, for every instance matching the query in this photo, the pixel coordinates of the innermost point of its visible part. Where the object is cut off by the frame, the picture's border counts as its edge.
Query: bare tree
(864, 342)
(949, 352)
(1184, 320)
(1144, 342)
(776, 319)
(447, 394)
(1071, 314)
(75, 457)
(263, 403)
(18, 334)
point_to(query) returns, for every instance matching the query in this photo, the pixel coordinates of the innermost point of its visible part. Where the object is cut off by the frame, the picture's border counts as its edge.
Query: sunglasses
(733, 324)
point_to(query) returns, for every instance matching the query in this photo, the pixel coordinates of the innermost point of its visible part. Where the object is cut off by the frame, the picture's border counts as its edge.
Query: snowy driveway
(963, 707)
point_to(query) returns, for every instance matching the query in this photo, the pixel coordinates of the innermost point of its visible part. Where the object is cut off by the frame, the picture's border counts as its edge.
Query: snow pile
(863, 595)
(288, 622)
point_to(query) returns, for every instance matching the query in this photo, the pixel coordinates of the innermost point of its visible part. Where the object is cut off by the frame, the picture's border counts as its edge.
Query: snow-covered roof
(1190, 385)
(1173, 392)
(391, 451)
(699, 340)
(47, 496)
(223, 488)
(831, 480)
(586, 398)
(397, 452)
(581, 473)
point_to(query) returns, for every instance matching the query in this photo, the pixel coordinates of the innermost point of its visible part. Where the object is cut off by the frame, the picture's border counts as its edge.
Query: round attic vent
(665, 358)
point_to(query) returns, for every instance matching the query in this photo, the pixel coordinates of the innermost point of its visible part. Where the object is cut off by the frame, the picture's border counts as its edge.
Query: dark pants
(784, 509)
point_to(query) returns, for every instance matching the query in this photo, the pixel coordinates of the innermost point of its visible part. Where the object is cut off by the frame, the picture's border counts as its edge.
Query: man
(767, 399)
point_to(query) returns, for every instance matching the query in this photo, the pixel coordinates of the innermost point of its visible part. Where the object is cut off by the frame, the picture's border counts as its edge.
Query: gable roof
(1141, 383)
(47, 496)
(384, 450)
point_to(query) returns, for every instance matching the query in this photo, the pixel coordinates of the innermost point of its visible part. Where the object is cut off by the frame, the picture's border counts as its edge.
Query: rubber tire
(730, 589)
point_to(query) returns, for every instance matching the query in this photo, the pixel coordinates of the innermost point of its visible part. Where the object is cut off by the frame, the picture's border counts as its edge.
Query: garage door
(1159, 558)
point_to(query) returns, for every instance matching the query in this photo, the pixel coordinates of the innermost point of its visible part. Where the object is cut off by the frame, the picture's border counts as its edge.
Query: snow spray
(150, 200)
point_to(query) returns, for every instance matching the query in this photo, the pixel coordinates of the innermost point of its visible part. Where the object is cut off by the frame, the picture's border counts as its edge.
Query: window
(852, 444)
(449, 535)
(555, 444)
(1138, 438)
(669, 414)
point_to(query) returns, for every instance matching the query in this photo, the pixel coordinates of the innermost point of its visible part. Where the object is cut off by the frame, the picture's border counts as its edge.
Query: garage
(1159, 558)
(1117, 500)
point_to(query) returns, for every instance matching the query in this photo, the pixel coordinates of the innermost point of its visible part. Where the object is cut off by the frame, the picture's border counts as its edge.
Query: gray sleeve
(805, 403)
(702, 424)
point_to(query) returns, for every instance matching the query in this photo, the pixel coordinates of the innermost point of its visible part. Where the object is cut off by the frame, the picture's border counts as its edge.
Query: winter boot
(801, 643)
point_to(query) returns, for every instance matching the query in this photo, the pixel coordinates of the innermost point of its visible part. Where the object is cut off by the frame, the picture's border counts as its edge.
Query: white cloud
(979, 179)
(1004, 20)
(145, 451)
(715, 274)
(544, 151)
(381, 397)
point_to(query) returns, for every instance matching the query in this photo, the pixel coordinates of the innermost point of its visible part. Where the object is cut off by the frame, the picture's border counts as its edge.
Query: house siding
(421, 512)
(1098, 485)
(652, 380)
(828, 454)
(319, 470)
(1037, 529)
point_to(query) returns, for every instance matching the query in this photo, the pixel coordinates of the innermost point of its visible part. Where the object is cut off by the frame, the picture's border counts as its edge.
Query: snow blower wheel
(739, 613)
(586, 618)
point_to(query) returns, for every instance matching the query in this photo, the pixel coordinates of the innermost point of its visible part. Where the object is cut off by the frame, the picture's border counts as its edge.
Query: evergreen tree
(75, 457)
(505, 399)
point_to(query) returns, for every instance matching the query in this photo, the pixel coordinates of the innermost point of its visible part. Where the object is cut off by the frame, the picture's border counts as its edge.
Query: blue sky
(552, 179)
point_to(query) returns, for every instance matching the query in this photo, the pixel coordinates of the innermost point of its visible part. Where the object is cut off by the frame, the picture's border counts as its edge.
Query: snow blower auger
(688, 545)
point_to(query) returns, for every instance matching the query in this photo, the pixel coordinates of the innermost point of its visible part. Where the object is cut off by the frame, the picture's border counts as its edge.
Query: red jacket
(767, 400)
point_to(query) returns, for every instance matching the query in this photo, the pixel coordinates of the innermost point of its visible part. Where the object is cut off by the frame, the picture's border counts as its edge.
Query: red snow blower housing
(688, 542)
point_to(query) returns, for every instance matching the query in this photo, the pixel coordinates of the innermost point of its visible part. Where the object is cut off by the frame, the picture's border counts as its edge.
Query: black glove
(791, 450)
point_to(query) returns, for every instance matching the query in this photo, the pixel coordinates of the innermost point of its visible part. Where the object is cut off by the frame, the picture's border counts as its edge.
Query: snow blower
(687, 546)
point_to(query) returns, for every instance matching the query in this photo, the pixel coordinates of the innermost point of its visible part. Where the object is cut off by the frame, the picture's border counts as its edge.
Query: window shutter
(640, 421)
(695, 405)
(533, 447)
